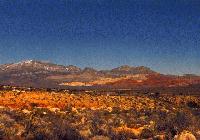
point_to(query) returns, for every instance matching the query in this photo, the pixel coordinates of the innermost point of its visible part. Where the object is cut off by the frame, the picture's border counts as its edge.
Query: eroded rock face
(185, 135)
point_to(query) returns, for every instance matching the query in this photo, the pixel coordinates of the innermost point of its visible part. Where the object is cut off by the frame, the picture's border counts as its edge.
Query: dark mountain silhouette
(132, 70)
(48, 75)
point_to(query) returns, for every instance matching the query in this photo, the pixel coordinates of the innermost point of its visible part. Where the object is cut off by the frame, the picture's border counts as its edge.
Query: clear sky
(161, 34)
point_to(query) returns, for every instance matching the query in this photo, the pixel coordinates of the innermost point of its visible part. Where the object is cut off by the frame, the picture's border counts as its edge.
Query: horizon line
(82, 68)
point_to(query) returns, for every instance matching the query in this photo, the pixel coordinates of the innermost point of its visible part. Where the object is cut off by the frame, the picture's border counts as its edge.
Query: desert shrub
(51, 126)
(165, 124)
(196, 112)
(1, 134)
(183, 120)
(192, 104)
(33, 105)
(123, 135)
(39, 136)
(115, 110)
(176, 122)
(147, 113)
(168, 128)
(41, 112)
(94, 126)
(146, 133)
(154, 95)
(48, 89)
(71, 134)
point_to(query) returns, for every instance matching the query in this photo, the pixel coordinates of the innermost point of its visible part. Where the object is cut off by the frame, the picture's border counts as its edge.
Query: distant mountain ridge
(132, 70)
(45, 74)
(47, 66)
(33, 64)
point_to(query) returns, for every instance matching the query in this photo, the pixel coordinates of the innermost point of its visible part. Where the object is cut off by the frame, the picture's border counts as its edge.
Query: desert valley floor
(64, 115)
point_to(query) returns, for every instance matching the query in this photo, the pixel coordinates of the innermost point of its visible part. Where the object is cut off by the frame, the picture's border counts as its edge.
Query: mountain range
(32, 73)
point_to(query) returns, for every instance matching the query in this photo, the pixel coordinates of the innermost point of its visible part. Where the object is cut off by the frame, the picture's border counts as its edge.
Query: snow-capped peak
(23, 62)
(39, 65)
(28, 61)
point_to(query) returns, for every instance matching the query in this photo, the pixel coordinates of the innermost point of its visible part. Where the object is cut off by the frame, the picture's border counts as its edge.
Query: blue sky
(161, 34)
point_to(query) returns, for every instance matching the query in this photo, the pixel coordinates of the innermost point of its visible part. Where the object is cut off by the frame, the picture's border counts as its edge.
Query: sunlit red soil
(139, 81)
(156, 80)
(63, 100)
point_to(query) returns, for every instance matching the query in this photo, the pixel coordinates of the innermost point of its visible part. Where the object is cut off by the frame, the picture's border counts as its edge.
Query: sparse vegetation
(60, 115)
